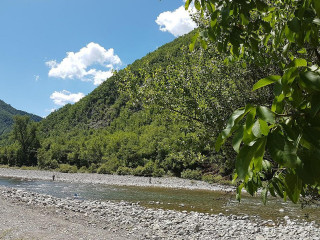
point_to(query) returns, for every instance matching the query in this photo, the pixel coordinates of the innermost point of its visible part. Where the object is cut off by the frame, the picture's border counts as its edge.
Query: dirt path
(20, 222)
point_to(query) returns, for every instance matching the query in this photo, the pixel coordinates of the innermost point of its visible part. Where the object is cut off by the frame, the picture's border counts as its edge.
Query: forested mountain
(6, 117)
(160, 115)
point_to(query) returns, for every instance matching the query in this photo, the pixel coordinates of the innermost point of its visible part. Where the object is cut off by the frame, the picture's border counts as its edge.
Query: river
(184, 200)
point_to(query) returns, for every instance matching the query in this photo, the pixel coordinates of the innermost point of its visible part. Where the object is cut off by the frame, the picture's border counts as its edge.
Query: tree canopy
(278, 145)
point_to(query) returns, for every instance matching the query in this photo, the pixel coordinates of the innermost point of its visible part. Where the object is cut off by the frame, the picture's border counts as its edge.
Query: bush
(191, 174)
(83, 169)
(92, 168)
(148, 169)
(158, 172)
(209, 178)
(124, 171)
(29, 168)
(73, 169)
(138, 171)
(66, 168)
(103, 169)
(215, 179)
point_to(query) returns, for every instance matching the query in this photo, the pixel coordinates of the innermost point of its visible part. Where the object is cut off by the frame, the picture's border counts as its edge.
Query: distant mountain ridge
(7, 112)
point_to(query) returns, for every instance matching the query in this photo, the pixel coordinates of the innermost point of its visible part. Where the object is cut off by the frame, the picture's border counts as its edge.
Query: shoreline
(119, 180)
(125, 220)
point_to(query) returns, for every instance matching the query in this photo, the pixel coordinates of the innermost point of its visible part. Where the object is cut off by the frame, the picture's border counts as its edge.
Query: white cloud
(76, 65)
(36, 78)
(64, 97)
(177, 22)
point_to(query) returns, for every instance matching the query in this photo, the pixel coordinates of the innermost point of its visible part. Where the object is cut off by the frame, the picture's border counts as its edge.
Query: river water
(176, 199)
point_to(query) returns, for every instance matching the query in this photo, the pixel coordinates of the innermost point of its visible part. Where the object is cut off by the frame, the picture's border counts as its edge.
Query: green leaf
(248, 135)
(193, 41)
(261, 6)
(237, 139)
(289, 34)
(271, 190)
(264, 128)
(295, 25)
(298, 62)
(254, 44)
(256, 129)
(282, 150)
(264, 194)
(312, 135)
(197, 5)
(266, 165)
(187, 4)
(310, 80)
(315, 104)
(231, 125)
(266, 81)
(316, 5)
(266, 26)
(259, 153)
(204, 43)
(293, 186)
(266, 114)
(310, 170)
(239, 189)
(278, 186)
(244, 19)
(278, 104)
(247, 154)
(243, 161)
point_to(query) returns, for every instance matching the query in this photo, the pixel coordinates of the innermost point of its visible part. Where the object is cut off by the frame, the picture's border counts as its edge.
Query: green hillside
(158, 116)
(6, 117)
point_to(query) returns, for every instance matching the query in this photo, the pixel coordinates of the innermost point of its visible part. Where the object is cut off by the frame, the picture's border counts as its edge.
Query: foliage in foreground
(278, 146)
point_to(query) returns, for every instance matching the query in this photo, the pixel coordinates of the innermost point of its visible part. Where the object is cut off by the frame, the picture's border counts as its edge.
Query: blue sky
(54, 52)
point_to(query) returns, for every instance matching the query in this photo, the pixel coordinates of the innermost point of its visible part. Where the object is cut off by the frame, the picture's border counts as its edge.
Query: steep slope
(6, 116)
(160, 115)
(102, 106)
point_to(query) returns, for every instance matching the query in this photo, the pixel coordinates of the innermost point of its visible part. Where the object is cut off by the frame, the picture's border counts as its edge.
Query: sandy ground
(18, 221)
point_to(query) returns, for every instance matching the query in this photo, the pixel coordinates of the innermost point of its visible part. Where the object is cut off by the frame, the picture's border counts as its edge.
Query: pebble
(145, 223)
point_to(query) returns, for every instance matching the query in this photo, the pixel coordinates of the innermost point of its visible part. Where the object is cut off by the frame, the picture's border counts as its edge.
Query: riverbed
(162, 209)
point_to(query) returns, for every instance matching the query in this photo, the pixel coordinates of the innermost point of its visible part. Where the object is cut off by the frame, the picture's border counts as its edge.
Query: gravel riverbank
(47, 217)
(164, 182)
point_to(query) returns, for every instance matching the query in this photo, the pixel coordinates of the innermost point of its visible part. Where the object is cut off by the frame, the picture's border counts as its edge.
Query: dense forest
(137, 123)
(6, 117)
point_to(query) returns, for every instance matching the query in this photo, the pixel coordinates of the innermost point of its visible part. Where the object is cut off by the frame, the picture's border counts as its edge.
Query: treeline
(159, 116)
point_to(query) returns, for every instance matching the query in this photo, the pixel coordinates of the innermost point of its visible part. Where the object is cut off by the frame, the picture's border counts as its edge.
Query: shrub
(103, 169)
(83, 169)
(124, 171)
(29, 168)
(65, 168)
(215, 179)
(208, 178)
(73, 169)
(191, 174)
(158, 172)
(148, 169)
(92, 168)
(138, 171)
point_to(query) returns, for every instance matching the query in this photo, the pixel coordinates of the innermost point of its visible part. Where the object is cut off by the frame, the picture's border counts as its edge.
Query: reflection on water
(177, 199)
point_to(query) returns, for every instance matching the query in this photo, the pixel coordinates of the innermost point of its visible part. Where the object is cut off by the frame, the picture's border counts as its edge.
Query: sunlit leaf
(266, 114)
(266, 81)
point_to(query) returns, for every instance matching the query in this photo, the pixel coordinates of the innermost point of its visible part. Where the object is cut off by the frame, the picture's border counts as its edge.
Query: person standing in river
(53, 177)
